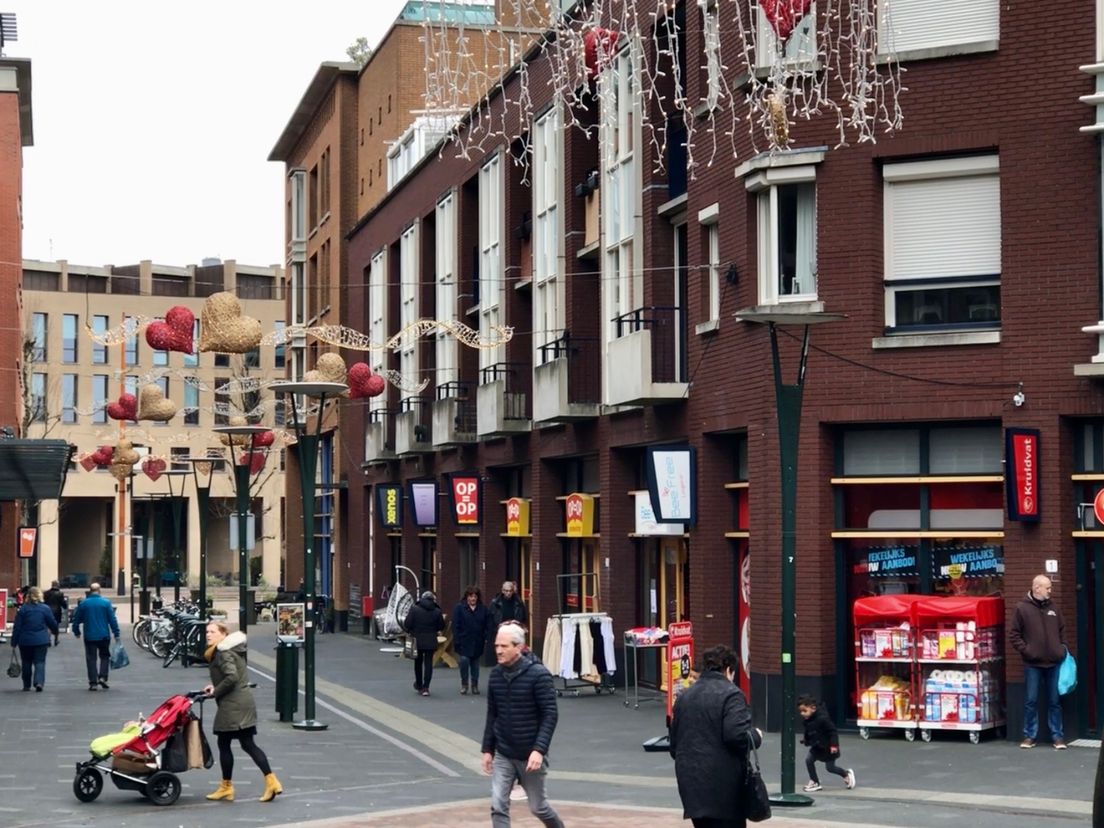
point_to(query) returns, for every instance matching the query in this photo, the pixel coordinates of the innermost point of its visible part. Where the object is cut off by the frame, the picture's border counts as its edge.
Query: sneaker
(417, 687)
(1027, 743)
(103, 684)
(425, 692)
(518, 793)
(810, 787)
(93, 687)
(38, 689)
(1060, 744)
(849, 781)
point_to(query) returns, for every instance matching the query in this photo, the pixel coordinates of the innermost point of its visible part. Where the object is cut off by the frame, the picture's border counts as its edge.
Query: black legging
(226, 756)
(829, 765)
(423, 668)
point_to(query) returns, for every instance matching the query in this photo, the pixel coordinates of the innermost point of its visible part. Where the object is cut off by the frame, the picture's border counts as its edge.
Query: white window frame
(619, 136)
(492, 277)
(709, 219)
(409, 306)
(298, 227)
(377, 323)
(968, 221)
(913, 29)
(446, 294)
(800, 48)
(766, 184)
(549, 294)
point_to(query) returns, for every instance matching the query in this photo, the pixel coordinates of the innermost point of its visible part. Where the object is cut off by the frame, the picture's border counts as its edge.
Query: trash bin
(287, 680)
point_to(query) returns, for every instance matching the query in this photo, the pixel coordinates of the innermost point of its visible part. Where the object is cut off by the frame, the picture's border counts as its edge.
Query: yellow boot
(272, 787)
(225, 791)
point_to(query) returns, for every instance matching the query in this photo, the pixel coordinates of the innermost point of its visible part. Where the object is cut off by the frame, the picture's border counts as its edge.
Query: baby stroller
(146, 756)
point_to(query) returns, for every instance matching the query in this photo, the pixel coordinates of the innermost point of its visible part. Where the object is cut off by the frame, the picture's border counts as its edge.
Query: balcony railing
(423, 417)
(464, 396)
(667, 325)
(515, 403)
(584, 363)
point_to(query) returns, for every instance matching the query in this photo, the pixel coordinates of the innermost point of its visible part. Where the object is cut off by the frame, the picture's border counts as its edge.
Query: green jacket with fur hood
(236, 708)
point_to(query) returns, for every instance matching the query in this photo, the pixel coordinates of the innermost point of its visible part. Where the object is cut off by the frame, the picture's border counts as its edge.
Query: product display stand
(634, 643)
(885, 647)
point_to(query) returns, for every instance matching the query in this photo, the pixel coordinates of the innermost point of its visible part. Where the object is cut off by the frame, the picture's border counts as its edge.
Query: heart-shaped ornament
(784, 15)
(103, 455)
(124, 408)
(358, 375)
(88, 462)
(376, 385)
(225, 329)
(153, 467)
(152, 405)
(175, 333)
(264, 439)
(256, 461)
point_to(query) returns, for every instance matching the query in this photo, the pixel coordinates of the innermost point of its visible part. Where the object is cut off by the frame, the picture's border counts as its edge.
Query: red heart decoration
(357, 376)
(376, 385)
(175, 333)
(256, 462)
(264, 439)
(153, 467)
(784, 15)
(593, 40)
(103, 455)
(125, 408)
(88, 462)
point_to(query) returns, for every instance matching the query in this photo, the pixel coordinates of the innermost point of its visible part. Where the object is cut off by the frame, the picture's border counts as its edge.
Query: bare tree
(36, 413)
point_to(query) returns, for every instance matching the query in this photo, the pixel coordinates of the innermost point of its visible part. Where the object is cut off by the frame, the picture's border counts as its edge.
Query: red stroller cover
(159, 726)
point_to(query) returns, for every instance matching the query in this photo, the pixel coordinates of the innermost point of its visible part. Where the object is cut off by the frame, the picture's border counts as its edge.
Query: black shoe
(26, 689)
(93, 687)
(417, 687)
(38, 688)
(103, 684)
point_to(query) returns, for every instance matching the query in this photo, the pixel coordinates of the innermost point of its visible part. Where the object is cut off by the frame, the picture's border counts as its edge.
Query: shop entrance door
(1090, 651)
(519, 569)
(428, 573)
(665, 578)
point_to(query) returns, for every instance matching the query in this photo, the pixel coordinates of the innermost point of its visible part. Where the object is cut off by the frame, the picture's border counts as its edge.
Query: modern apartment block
(99, 529)
(963, 249)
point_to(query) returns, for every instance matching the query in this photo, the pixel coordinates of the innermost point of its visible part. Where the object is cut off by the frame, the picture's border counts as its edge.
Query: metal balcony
(379, 446)
(502, 404)
(413, 426)
(645, 364)
(453, 415)
(566, 383)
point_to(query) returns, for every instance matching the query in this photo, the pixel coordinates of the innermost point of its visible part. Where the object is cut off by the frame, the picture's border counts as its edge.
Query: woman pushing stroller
(237, 710)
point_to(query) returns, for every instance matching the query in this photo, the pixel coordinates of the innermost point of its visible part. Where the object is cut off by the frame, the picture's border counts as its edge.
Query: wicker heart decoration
(329, 368)
(124, 408)
(256, 461)
(235, 439)
(153, 467)
(783, 15)
(152, 405)
(175, 333)
(224, 329)
(358, 376)
(124, 453)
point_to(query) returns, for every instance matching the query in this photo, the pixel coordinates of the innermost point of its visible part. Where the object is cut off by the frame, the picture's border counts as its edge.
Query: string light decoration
(792, 61)
(342, 337)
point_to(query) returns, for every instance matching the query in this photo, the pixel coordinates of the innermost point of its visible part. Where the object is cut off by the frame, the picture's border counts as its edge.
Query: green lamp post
(203, 467)
(787, 398)
(176, 505)
(307, 453)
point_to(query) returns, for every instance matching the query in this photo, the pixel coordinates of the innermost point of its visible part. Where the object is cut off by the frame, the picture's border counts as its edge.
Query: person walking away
(31, 632)
(57, 601)
(822, 739)
(236, 719)
(424, 621)
(710, 736)
(521, 719)
(470, 621)
(1038, 634)
(97, 615)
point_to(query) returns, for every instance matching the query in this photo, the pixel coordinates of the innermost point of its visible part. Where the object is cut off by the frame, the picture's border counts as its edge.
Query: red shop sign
(465, 499)
(1021, 454)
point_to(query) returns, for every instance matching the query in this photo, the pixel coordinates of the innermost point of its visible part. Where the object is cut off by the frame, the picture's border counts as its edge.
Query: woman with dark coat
(34, 625)
(424, 621)
(710, 734)
(470, 623)
(237, 710)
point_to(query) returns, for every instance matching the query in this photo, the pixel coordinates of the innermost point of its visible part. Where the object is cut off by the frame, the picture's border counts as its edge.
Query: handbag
(119, 657)
(754, 794)
(1067, 674)
(15, 669)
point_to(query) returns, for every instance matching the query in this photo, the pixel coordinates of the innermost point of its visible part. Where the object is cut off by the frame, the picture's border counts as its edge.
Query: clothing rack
(570, 632)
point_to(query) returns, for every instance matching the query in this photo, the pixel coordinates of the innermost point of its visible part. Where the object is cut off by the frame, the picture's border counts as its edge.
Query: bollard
(287, 680)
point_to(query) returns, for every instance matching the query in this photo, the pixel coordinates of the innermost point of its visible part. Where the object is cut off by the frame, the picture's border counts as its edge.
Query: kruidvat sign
(1021, 460)
(389, 501)
(672, 483)
(465, 499)
(423, 502)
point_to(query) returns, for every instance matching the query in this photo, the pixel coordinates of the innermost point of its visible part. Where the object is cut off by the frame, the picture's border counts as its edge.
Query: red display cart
(960, 665)
(885, 654)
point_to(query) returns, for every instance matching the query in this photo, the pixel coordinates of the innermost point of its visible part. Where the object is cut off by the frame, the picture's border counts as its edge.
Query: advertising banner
(579, 510)
(1021, 459)
(423, 502)
(646, 523)
(465, 499)
(291, 623)
(517, 517)
(680, 661)
(672, 486)
(27, 537)
(389, 502)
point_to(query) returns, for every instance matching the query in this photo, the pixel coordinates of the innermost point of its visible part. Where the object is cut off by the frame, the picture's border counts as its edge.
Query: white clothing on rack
(567, 650)
(607, 645)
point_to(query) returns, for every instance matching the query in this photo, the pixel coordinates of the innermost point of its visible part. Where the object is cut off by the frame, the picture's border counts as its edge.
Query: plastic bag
(119, 657)
(1067, 674)
(15, 669)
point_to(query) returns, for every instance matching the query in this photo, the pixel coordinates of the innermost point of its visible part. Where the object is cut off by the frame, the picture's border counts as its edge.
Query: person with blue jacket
(34, 626)
(97, 615)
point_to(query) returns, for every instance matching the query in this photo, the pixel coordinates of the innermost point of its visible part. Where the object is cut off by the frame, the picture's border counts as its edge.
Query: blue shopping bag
(119, 657)
(1067, 674)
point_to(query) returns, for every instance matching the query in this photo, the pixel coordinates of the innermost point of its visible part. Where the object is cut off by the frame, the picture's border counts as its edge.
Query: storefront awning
(33, 469)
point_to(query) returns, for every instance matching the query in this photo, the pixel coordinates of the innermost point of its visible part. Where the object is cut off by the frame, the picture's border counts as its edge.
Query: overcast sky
(153, 121)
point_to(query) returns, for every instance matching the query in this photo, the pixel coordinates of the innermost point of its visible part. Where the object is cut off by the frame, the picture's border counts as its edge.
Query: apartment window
(68, 398)
(130, 385)
(163, 384)
(279, 352)
(38, 398)
(222, 360)
(446, 293)
(69, 326)
(160, 358)
(299, 289)
(312, 199)
(252, 359)
(298, 205)
(99, 399)
(408, 301)
(492, 282)
(191, 401)
(324, 277)
(711, 232)
(786, 213)
(178, 459)
(911, 25)
(99, 350)
(222, 402)
(800, 47)
(324, 195)
(401, 157)
(549, 299)
(192, 360)
(711, 52)
(942, 243)
(377, 322)
(131, 350)
(623, 283)
(39, 328)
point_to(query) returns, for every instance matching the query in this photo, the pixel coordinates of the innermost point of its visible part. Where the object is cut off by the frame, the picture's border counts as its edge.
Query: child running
(823, 743)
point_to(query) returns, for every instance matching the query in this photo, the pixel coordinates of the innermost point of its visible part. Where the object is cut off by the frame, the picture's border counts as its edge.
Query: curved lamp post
(307, 451)
(787, 400)
(242, 472)
(203, 467)
(176, 504)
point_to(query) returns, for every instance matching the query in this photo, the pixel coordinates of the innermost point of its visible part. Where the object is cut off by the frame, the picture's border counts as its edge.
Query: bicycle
(189, 641)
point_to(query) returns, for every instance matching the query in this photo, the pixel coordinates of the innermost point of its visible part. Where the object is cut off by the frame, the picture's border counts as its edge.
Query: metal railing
(423, 417)
(668, 328)
(516, 396)
(461, 392)
(584, 365)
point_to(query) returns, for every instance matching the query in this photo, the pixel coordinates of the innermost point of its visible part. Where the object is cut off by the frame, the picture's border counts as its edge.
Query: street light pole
(202, 467)
(176, 504)
(307, 455)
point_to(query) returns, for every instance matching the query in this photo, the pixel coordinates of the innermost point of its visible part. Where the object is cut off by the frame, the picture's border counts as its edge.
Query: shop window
(881, 452)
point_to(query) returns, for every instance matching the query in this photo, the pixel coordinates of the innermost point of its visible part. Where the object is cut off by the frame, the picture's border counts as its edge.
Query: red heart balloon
(256, 462)
(175, 333)
(357, 376)
(125, 408)
(376, 385)
(784, 15)
(153, 467)
(264, 439)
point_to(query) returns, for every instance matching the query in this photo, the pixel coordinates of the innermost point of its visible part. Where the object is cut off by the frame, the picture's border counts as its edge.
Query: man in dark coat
(521, 718)
(508, 606)
(1038, 634)
(710, 735)
(57, 601)
(470, 622)
(424, 621)
(97, 615)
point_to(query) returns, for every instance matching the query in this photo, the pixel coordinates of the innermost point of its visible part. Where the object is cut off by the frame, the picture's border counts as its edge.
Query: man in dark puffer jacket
(521, 718)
